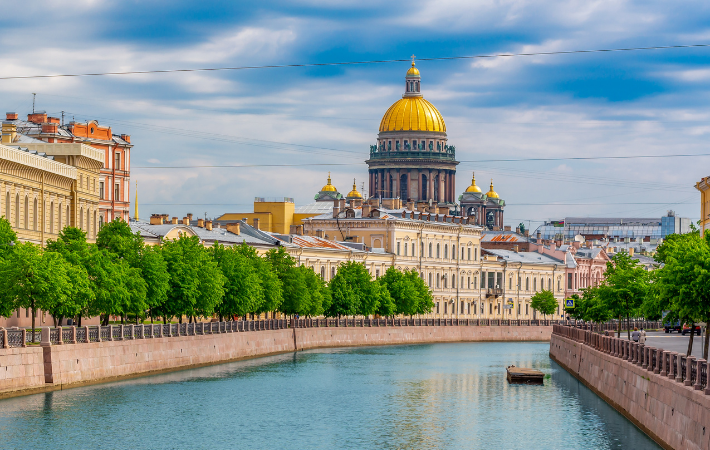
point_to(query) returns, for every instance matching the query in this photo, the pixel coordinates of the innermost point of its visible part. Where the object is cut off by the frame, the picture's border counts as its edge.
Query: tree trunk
(165, 320)
(79, 321)
(628, 326)
(180, 319)
(707, 339)
(618, 332)
(32, 306)
(690, 342)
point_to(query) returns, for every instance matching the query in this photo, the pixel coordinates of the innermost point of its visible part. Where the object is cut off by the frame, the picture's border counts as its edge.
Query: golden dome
(412, 114)
(354, 193)
(413, 71)
(492, 193)
(473, 187)
(329, 187)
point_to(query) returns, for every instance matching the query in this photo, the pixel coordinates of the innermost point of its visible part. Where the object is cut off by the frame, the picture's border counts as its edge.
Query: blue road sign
(569, 303)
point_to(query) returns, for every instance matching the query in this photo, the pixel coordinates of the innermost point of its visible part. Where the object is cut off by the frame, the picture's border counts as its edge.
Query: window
(535, 284)
(469, 282)
(438, 253)
(377, 273)
(437, 307)
(469, 308)
(17, 211)
(101, 221)
(526, 309)
(446, 308)
(453, 280)
(438, 280)
(81, 218)
(558, 284)
(527, 283)
(490, 308)
(510, 283)
(405, 249)
(431, 284)
(446, 252)
(68, 218)
(34, 215)
(518, 308)
(569, 281)
(469, 253)
(461, 310)
(117, 165)
(116, 192)
(443, 278)
(101, 190)
(7, 207)
(430, 254)
(332, 272)
(483, 280)
(322, 272)
(398, 247)
(27, 212)
(51, 217)
(475, 254)
(421, 249)
(549, 284)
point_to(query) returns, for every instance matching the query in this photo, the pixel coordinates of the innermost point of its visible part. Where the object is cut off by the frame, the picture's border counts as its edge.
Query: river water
(395, 397)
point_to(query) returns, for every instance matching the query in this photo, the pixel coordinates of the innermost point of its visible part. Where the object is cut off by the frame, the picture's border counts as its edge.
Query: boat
(523, 375)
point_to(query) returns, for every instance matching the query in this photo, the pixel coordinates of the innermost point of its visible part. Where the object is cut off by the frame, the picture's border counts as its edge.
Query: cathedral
(413, 161)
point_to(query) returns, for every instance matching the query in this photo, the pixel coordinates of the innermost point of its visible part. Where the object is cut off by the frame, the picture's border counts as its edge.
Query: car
(686, 329)
(671, 327)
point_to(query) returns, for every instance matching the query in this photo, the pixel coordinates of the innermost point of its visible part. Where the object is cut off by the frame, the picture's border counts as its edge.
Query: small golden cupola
(413, 71)
(473, 187)
(354, 194)
(492, 193)
(329, 187)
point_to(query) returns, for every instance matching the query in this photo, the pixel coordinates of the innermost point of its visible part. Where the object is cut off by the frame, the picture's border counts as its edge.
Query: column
(419, 185)
(453, 186)
(430, 190)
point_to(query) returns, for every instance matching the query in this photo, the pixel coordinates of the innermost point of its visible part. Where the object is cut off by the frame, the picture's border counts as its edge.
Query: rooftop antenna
(34, 95)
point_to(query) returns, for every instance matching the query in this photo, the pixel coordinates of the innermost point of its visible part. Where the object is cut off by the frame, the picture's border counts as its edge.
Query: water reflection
(399, 397)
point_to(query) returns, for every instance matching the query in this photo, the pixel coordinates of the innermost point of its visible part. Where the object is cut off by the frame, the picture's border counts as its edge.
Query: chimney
(256, 223)
(234, 228)
(185, 221)
(336, 210)
(517, 230)
(174, 221)
(506, 228)
(410, 206)
(38, 117)
(320, 233)
(9, 132)
(189, 217)
(208, 225)
(443, 209)
(49, 128)
(156, 219)
(516, 248)
(201, 223)
(421, 206)
(356, 203)
(433, 209)
(527, 233)
(11, 116)
(540, 247)
(553, 245)
(366, 210)
(126, 138)
(576, 245)
(631, 251)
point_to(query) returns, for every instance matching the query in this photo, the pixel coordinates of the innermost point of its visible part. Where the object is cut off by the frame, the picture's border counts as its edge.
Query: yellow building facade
(704, 187)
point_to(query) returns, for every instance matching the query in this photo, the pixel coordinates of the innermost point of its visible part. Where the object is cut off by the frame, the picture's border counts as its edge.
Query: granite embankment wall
(673, 414)
(35, 369)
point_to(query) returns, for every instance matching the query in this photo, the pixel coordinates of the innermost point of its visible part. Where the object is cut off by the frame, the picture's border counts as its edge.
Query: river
(394, 397)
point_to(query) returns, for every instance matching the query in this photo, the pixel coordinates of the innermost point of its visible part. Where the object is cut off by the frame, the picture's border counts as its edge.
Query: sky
(323, 119)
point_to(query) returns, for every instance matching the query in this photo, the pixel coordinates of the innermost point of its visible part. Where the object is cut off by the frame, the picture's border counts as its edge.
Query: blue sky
(604, 104)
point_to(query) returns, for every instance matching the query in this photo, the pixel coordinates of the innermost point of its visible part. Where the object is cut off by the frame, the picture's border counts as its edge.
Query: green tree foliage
(544, 302)
(624, 288)
(682, 284)
(116, 237)
(319, 295)
(343, 298)
(271, 287)
(408, 291)
(8, 238)
(243, 293)
(33, 279)
(196, 282)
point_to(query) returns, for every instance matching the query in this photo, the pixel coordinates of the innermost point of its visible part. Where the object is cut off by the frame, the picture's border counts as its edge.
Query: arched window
(88, 221)
(469, 282)
(414, 248)
(59, 218)
(438, 252)
(431, 279)
(34, 215)
(438, 281)
(51, 217)
(535, 284)
(27, 212)
(446, 251)
(430, 254)
(94, 227)
(17, 211)
(510, 283)
(527, 283)
(69, 221)
(322, 272)
(549, 284)
(7, 207)
(453, 280)
(475, 254)
(332, 272)
(469, 253)
(405, 249)
(81, 217)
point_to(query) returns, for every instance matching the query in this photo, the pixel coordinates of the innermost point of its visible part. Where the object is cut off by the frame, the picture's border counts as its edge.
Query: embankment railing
(689, 370)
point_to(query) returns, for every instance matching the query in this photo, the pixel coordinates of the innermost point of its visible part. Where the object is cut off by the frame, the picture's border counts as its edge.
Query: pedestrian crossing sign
(569, 303)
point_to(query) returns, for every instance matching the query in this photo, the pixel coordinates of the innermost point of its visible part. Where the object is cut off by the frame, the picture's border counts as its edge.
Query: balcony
(494, 292)
(447, 155)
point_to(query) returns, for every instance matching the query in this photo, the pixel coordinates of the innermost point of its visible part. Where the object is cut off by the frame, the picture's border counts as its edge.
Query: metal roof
(524, 257)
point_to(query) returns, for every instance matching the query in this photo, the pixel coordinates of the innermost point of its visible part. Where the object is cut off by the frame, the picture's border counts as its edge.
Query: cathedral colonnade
(419, 184)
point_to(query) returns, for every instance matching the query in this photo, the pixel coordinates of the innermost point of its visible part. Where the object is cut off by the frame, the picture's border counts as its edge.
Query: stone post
(639, 357)
(73, 334)
(664, 369)
(690, 360)
(59, 335)
(24, 337)
(160, 330)
(132, 331)
(699, 364)
(4, 338)
(120, 335)
(678, 369)
(45, 337)
(648, 363)
(86, 329)
(671, 365)
(110, 333)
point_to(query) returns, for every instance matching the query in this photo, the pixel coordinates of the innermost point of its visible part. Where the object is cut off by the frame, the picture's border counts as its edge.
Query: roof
(523, 257)
(589, 253)
(316, 242)
(247, 234)
(315, 208)
(396, 214)
(612, 220)
(503, 236)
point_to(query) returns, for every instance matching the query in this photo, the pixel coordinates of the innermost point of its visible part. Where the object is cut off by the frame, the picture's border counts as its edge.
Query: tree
(682, 284)
(116, 237)
(154, 271)
(403, 293)
(425, 302)
(8, 238)
(624, 287)
(366, 296)
(196, 283)
(319, 294)
(243, 292)
(386, 306)
(271, 286)
(544, 302)
(343, 298)
(521, 225)
(31, 278)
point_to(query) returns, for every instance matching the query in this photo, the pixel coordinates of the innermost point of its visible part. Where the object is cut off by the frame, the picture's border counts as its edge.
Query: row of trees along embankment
(120, 276)
(677, 290)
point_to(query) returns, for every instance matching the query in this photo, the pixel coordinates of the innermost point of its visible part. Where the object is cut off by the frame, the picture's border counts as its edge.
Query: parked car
(686, 329)
(670, 327)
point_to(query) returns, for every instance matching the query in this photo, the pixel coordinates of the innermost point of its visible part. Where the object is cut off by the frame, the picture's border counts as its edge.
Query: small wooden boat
(523, 375)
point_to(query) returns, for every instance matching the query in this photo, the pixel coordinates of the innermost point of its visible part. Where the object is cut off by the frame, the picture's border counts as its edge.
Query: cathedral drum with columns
(412, 159)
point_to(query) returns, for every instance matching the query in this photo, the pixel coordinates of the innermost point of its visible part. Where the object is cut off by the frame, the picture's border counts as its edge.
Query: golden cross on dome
(413, 57)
